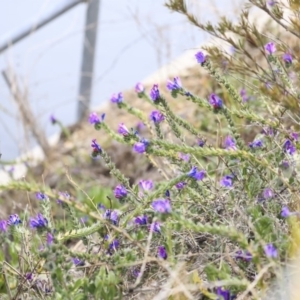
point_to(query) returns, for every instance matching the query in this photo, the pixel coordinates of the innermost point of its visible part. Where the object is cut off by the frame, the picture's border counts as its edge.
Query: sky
(135, 38)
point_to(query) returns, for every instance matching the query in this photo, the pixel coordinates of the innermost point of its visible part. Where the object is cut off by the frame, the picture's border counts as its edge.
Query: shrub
(224, 215)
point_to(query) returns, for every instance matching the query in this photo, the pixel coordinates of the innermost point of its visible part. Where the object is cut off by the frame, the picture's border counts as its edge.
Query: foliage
(222, 218)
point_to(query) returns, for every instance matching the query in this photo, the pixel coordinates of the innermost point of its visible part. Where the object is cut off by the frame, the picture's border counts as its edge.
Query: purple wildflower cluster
(224, 294)
(180, 185)
(141, 146)
(53, 120)
(216, 102)
(229, 143)
(94, 119)
(111, 215)
(245, 256)
(123, 130)
(96, 149)
(78, 262)
(112, 246)
(268, 193)
(201, 57)
(196, 174)
(162, 252)
(154, 93)
(120, 191)
(117, 98)
(227, 181)
(288, 59)
(139, 88)
(175, 85)
(270, 48)
(3, 225)
(146, 185)
(39, 222)
(184, 157)
(270, 251)
(156, 116)
(243, 94)
(141, 220)
(13, 220)
(41, 196)
(162, 206)
(256, 144)
(289, 147)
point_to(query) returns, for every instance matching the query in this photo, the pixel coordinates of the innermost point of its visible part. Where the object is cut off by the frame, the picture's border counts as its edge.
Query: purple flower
(141, 147)
(224, 294)
(120, 191)
(162, 253)
(123, 129)
(156, 116)
(141, 220)
(287, 58)
(94, 119)
(201, 143)
(180, 185)
(140, 126)
(113, 246)
(201, 57)
(3, 225)
(117, 98)
(244, 96)
(229, 143)
(294, 136)
(285, 212)
(77, 262)
(65, 195)
(14, 220)
(50, 238)
(270, 251)
(269, 131)
(196, 174)
(155, 227)
(174, 86)
(215, 101)
(136, 272)
(139, 88)
(226, 181)
(146, 185)
(41, 196)
(285, 165)
(268, 193)
(29, 276)
(114, 217)
(96, 148)
(111, 215)
(243, 255)
(101, 206)
(162, 206)
(39, 222)
(184, 157)
(270, 48)
(256, 144)
(289, 147)
(168, 194)
(154, 93)
(271, 2)
(53, 120)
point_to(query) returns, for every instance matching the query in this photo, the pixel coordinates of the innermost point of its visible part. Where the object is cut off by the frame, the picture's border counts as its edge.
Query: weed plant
(224, 217)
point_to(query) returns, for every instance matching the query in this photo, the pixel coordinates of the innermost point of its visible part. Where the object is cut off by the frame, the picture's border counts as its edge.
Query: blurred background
(134, 39)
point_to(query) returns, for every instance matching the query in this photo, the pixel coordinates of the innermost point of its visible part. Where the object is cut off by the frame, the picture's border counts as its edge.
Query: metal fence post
(88, 58)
